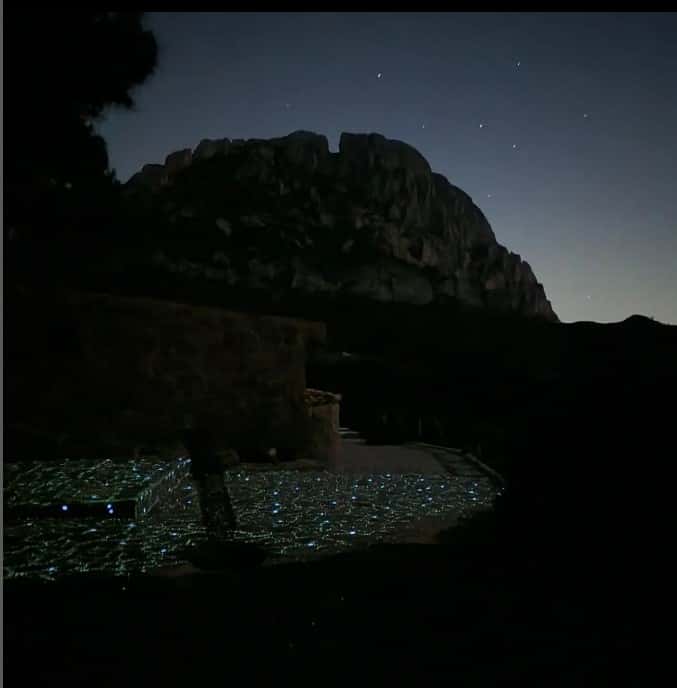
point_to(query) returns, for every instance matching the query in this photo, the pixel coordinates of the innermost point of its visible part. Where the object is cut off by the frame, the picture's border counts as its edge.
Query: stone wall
(322, 439)
(92, 374)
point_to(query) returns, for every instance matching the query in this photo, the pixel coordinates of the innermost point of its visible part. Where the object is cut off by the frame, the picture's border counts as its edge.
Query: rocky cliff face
(370, 221)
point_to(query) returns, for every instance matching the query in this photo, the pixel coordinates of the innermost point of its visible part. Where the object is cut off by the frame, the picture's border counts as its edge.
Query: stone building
(94, 375)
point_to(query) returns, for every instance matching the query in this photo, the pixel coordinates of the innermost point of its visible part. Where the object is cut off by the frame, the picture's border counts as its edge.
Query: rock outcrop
(370, 221)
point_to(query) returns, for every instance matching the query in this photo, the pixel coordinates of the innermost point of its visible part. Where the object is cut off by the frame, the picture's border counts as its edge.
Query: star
(488, 195)
(518, 64)
(423, 126)
(514, 145)
(379, 75)
(585, 115)
(481, 125)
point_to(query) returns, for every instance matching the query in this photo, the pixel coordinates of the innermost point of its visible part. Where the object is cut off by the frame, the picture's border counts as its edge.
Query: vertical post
(208, 473)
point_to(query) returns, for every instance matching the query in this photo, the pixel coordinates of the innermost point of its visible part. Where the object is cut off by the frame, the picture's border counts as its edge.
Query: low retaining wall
(322, 438)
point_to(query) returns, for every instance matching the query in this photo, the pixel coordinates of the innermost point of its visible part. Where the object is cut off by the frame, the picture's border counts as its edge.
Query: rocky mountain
(371, 221)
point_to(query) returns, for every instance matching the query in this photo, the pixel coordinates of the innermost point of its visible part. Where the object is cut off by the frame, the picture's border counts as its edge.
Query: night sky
(560, 126)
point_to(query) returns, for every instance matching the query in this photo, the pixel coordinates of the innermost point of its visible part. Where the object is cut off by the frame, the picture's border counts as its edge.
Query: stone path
(356, 456)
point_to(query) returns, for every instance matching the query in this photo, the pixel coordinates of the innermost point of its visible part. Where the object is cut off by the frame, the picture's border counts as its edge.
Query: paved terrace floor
(356, 456)
(371, 494)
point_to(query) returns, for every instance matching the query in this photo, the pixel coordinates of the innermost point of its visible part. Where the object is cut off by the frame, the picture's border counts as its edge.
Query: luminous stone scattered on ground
(295, 515)
(79, 488)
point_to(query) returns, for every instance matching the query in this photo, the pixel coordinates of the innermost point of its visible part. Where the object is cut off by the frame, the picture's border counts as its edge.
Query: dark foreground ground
(559, 586)
(395, 615)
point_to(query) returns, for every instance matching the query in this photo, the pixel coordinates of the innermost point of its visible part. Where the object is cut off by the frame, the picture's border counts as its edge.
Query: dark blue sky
(588, 195)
